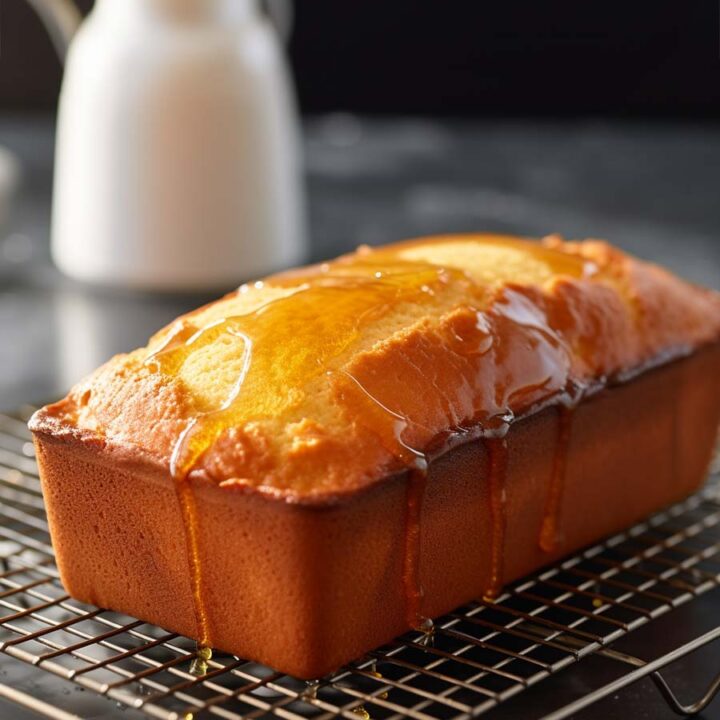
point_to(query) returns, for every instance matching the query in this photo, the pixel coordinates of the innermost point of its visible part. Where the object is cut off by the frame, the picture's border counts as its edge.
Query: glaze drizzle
(188, 511)
(415, 491)
(550, 527)
(497, 450)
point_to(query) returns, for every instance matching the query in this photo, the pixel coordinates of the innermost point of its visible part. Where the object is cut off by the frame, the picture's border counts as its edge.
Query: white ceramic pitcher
(177, 145)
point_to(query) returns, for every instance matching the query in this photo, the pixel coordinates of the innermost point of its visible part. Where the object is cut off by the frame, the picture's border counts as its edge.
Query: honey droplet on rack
(427, 627)
(376, 674)
(311, 690)
(361, 712)
(199, 664)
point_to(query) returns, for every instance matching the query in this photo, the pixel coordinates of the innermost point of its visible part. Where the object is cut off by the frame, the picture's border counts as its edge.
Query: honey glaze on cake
(322, 316)
(316, 383)
(320, 331)
(293, 339)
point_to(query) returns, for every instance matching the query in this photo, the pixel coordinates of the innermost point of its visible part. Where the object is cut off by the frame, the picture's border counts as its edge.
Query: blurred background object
(460, 57)
(176, 163)
(451, 116)
(61, 19)
(9, 172)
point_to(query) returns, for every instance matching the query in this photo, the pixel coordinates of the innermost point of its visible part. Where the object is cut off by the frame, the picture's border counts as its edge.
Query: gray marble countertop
(653, 189)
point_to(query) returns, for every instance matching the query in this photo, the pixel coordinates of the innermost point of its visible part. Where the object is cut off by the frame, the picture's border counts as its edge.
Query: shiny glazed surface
(319, 381)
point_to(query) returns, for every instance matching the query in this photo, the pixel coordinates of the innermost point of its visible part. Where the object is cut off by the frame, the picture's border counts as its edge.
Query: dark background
(658, 58)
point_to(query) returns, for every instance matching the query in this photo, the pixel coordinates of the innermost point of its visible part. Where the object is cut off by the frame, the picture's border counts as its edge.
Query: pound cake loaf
(306, 468)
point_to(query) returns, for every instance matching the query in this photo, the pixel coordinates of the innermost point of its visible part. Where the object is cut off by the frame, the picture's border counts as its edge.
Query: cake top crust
(319, 381)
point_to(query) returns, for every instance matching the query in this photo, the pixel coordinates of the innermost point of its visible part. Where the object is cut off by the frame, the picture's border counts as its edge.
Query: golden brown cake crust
(319, 382)
(496, 386)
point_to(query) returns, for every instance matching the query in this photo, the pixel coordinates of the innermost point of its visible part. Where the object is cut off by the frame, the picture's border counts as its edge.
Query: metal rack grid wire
(478, 656)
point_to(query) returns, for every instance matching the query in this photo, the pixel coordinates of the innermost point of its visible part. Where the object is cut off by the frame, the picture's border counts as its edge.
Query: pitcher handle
(281, 12)
(61, 19)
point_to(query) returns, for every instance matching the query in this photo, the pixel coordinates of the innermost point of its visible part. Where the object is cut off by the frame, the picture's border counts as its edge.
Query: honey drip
(188, 510)
(390, 427)
(415, 491)
(675, 467)
(550, 527)
(497, 473)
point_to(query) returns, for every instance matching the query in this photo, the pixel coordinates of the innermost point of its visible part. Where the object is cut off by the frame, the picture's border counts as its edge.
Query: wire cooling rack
(478, 657)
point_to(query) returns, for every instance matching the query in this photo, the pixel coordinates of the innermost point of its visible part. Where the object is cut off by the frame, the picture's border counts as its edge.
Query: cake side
(318, 382)
(307, 588)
